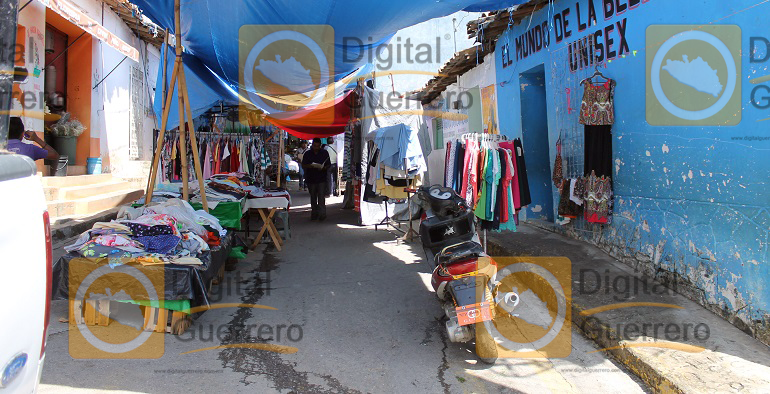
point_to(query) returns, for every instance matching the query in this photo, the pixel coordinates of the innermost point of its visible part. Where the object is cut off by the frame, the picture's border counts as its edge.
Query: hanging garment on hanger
(457, 179)
(558, 171)
(217, 153)
(507, 220)
(207, 161)
(265, 159)
(470, 148)
(521, 168)
(234, 155)
(481, 165)
(567, 207)
(490, 189)
(242, 158)
(505, 183)
(450, 163)
(484, 189)
(224, 165)
(226, 151)
(597, 107)
(576, 191)
(494, 222)
(515, 184)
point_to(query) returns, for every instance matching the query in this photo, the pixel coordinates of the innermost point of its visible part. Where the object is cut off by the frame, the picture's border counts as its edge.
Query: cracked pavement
(358, 307)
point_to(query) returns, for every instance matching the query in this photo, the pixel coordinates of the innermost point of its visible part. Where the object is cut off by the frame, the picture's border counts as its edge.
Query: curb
(604, 336)
(73, 227)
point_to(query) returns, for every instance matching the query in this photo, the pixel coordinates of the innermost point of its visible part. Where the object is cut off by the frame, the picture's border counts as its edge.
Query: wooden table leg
(271, 229)
(259, 236)
(268, 226)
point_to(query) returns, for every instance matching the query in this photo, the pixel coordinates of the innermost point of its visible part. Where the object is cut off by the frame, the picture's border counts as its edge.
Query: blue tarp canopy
(210, 33)
(205, 89)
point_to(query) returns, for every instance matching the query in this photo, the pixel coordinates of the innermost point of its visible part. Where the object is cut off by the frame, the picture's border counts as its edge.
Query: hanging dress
(507, 220)
(597, 113)
(521, 168)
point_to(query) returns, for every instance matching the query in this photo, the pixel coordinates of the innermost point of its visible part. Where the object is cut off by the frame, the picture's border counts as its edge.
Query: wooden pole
(193, 140)
(182, 139)
(161, 135)
(180, 99)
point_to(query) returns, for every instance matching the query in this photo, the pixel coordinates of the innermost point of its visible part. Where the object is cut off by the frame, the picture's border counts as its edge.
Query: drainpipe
(8, 20)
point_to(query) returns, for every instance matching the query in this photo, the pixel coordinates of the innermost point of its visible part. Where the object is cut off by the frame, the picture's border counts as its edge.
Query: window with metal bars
(136, 114)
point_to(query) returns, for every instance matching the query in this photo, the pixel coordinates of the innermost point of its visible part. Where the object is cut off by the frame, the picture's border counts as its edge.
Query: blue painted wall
(691, 201)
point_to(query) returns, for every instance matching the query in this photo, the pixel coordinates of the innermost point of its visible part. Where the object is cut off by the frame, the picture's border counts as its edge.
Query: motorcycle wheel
(486, 347)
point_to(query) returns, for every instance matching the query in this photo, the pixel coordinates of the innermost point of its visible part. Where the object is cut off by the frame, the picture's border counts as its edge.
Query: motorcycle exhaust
(456, 332)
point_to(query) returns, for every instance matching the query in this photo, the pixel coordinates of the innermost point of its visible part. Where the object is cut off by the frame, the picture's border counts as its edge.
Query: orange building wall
(79, 83)
(79, 93)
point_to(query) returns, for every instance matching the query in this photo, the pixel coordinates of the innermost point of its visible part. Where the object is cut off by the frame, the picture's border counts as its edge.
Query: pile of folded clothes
(235, 186)
(171, 232)
(163, 192)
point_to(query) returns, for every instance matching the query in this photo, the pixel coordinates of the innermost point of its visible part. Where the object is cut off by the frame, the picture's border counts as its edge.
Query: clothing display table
(267, 207)
(229, 213)
(184, 286)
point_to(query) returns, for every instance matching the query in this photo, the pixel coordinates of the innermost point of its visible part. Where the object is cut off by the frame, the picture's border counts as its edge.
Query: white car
(25, 274)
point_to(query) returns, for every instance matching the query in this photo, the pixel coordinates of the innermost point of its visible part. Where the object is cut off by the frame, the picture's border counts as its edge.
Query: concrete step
(60, 208)
(77, 180)
(51, 193)
(76, 170)
(85, 191)
(94, 204)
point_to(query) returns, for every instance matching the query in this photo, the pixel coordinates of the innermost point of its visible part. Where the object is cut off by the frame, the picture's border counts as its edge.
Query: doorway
(534, 138)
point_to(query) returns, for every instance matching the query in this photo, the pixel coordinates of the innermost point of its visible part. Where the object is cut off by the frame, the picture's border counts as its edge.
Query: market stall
(185, 248)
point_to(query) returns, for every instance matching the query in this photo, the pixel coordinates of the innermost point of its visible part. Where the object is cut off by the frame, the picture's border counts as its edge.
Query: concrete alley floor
(358, 306)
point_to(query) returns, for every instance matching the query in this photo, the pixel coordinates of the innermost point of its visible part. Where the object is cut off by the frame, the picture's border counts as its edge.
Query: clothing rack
(484, 137)
(260, 140)
(223, 135)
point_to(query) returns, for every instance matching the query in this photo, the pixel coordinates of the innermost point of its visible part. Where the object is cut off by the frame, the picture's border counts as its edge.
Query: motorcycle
(463, 275)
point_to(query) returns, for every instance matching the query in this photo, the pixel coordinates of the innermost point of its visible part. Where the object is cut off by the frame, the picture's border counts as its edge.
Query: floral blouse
(597, 107)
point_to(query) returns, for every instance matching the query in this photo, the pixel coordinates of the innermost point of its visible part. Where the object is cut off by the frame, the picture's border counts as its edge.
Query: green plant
(67, 127)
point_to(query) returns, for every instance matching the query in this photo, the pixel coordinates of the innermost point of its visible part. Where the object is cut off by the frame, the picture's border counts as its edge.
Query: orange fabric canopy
(325, 120)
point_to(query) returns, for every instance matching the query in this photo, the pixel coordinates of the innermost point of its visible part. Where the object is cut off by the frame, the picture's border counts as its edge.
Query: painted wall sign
(604, 43)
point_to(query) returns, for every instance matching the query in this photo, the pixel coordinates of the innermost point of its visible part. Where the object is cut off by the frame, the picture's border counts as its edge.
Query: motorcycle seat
(462, 251)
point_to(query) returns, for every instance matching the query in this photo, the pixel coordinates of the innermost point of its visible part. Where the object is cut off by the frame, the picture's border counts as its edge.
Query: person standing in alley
(331, 182)
(316, 164)
(300, 155)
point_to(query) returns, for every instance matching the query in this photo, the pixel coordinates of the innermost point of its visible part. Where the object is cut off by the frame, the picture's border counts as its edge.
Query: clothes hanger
(596, 73)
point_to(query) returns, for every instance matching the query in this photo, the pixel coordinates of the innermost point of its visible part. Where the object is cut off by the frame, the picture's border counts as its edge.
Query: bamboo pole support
(182, 138)
(180, 101)
(161, 135)
(193, 140)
